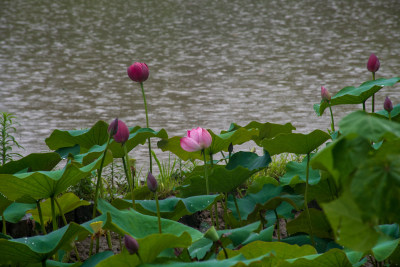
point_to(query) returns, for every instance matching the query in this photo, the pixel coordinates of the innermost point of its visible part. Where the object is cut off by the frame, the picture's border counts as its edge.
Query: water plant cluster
(337, 207)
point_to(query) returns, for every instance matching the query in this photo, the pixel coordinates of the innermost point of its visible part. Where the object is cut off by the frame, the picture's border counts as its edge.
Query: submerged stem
(306, 201)
(147, 126)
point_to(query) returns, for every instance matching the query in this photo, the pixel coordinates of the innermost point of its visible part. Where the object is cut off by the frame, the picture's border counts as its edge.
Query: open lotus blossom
(388, 105)
(197, 139)
(122, 134)
(373, 63)
(138, 72)
(326, 96)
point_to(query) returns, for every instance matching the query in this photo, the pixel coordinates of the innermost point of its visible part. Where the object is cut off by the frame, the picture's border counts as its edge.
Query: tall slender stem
(4, 225)
(96, 196)
(390, 116)
(237, 209)
(65, 223)
(129, 176)
(216, 215)
(277, 225)
(332, 121)
(147, 126)
(205, 172)
(306, 201)
(373, 96)
(53, 214)
(363, 106)
(158, 213)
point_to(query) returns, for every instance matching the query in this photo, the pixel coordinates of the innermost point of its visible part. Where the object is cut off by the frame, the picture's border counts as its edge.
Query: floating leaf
(170, 208)
(355, 95)
(295, 142)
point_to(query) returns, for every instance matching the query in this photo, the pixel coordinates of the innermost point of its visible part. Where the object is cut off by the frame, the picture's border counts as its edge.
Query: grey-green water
(63, 63)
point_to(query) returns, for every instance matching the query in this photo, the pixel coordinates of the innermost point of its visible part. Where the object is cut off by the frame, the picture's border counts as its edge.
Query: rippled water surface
(63, 63)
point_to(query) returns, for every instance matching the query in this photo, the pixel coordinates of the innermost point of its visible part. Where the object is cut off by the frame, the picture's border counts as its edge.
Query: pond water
(63, 63)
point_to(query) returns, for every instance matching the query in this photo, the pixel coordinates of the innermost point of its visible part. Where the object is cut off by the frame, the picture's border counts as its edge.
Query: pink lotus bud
(197, 139)
(131, 244)
(138, 72)
(326, 96)
(387, 105)
(152, 182)
(122, 134)
(113, 127)
(373, 63)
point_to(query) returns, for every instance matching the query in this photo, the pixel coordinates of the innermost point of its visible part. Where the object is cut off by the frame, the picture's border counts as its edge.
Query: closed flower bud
(131, 244)
(138, 72)
(325, 95)
(122, 134)
(212, 234)
(373, 63)
(388, 105)
(113, 127)
(230, 148)
(152, 182)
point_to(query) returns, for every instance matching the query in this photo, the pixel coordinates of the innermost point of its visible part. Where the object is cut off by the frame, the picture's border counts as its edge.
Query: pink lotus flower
(152, 182)
(326, 96)
(113, 127)
(373, 63)
(122, 134)
(138, 72)
(197, 139)
(388, 105)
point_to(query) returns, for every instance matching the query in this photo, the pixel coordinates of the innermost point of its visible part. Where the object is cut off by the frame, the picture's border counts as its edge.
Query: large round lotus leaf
(29, 187)
(31, 163)
(219, 143)
(38, 248)
(171, 208)
(296, 173)
(369, 127)
(295, 142)
(355, 95)
(266, 130)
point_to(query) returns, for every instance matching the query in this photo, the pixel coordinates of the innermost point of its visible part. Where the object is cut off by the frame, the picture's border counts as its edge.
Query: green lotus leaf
(138, 225)
(279, 249)
(29, 187)
(296, 173)
(295, 142)
(348, 226)
(68, 202)
(319, 222)
(220, 178)
(266, 130)
(86, 138)
(269, 198)
(31, 163)
(4, 203)
(355, 95)
(369, 126)
(39, 248)
(16, 211)
(171, 208)
(97, 258)
(219, 143)
(149, 248)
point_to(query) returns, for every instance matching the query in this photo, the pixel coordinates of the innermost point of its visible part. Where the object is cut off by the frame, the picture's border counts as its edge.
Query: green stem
(333, 123)
(140, 258)
(109, 239)
(91, 247)
(225, 252)
(364, 106)
(205, 172)
(277, 225)
(306, 201)
(223, 156)
(147, 125)
(4, 224)
(129, 176)
(373, 96)
(226, 211)
(158, 213)
(237, 209)
(53, 214)
(216, 215)
(41, 218)
(97, 243)
(390, 116)
(126, 172)
(96, 196)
